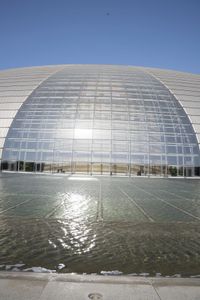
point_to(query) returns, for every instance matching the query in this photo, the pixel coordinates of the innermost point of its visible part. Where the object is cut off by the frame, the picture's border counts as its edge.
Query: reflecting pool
(94, 224)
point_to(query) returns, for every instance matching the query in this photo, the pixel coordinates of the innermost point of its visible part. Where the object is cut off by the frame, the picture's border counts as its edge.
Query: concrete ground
(32, 286)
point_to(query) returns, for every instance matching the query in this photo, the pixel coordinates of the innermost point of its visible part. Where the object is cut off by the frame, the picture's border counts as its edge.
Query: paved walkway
(32, 286)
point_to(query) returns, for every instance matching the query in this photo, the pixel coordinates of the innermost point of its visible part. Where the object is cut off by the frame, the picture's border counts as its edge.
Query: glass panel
(119, 119)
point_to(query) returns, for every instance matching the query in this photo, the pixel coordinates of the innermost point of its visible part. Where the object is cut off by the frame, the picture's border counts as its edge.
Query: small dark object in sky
(107, 14)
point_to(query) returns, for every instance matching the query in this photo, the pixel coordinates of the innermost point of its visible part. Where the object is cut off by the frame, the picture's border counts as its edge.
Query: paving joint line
(99, 216)
(184, 191)
(169, 204)
(187, 199)
(12, 207)
(54, 210)
(137, 205)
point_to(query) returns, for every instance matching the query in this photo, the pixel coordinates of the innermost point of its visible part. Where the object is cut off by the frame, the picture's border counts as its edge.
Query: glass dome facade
(96, 119)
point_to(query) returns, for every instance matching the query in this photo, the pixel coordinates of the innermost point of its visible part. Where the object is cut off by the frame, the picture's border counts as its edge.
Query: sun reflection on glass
(83, 133)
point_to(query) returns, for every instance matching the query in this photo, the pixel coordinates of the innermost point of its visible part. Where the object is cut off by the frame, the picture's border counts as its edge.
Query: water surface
(92, 224)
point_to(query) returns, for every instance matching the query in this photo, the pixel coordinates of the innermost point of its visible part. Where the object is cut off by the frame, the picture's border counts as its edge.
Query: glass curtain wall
(102, 120)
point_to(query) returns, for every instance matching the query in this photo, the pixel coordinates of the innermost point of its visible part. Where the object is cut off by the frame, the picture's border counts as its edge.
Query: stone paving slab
(21, 289)
(177, 288)
(40, 286)
(73, 291)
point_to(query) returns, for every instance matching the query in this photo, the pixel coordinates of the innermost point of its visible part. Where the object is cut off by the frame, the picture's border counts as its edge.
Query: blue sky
(154, 33)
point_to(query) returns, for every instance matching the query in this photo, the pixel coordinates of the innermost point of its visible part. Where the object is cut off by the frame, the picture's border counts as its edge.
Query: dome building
(100, 119)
